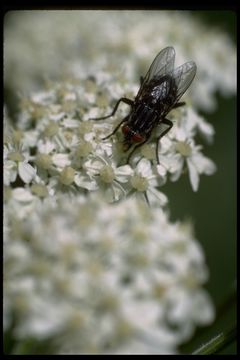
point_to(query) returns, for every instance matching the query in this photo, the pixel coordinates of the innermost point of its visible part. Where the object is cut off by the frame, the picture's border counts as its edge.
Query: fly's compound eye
(133, 136)
(126, 129)
(137, 138)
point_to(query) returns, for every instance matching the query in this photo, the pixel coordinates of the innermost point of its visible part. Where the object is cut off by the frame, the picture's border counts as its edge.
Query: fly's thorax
(143, 118)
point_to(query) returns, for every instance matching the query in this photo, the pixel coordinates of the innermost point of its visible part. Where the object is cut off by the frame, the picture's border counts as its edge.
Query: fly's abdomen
(143, 118)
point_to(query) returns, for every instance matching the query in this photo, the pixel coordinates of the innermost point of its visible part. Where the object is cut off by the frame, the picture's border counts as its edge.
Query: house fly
(159, 93)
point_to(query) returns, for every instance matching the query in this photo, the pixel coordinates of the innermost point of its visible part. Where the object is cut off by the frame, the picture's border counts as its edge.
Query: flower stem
(216, 344)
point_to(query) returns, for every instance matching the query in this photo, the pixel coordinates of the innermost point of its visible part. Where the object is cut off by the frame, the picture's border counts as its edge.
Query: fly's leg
(179, 104)
(116, 128)
(170, 125)
(125, 100)
(133, 150)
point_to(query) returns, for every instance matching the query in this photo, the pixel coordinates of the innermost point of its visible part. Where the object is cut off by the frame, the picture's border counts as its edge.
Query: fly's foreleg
(135, 148)
(116, 128)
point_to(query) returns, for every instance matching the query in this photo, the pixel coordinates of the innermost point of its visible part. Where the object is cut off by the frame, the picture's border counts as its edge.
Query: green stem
(217, 343)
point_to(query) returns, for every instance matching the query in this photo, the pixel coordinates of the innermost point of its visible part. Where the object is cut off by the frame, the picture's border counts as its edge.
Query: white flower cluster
(57, 147)
(87, 277)
(84, 274)
(36, 47)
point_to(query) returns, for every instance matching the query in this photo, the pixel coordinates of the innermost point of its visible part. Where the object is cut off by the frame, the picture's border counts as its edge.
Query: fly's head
(131, 137)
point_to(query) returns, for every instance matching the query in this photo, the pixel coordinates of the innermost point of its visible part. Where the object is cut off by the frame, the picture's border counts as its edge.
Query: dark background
(213, 208)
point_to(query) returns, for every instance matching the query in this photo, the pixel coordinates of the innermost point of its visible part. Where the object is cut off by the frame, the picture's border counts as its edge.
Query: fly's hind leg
(170, 125)
(178, 104)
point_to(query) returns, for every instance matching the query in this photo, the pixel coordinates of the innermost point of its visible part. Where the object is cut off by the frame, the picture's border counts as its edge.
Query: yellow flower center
(183, 148)
(84, 149)
(139, 183)
(15, 156)
(107, 174)
(51, 130)
(67, 175)
(44, 161)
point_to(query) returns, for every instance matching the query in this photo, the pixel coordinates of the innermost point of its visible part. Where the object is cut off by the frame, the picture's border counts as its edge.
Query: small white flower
(189, 122)
(17, 165)
(108, 176)
(199, 164)
(145, 182)
(188, 153)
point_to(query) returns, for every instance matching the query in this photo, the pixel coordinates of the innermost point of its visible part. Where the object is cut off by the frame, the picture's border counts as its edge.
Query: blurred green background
(213, 208)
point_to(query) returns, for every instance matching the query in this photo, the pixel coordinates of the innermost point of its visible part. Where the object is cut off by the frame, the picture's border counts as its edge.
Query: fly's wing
(161, 65)
(183, 77)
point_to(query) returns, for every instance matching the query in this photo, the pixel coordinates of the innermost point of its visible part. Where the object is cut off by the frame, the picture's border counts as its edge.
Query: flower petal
(144, 168)
(61, 160)
(22, 195)
(193, 174)
(85, 182)
(156, 197)
(123, 172)
(26, 172)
